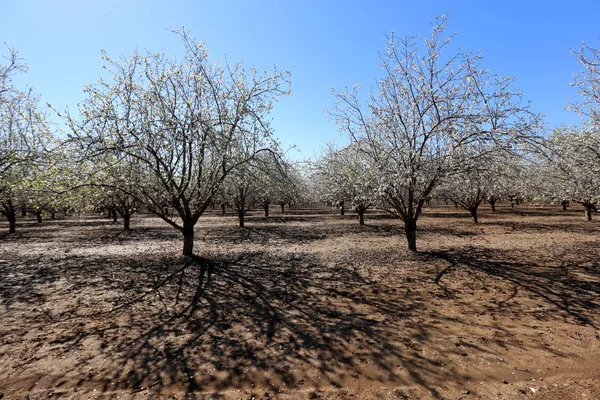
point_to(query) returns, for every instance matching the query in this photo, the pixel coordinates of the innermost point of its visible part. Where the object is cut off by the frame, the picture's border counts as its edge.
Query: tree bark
(38, 214)
(12, 222)
(241, 218)
(188, 239)
(361, 217)
(126, 222)
(114, 215)
(492, 204)
(588, 211)
(342, 208)
(410, 228)
(564, 205)
(53, 214)
(266, 208)
(223, 209)
(282, 207)
(23, 212)
(473, 211)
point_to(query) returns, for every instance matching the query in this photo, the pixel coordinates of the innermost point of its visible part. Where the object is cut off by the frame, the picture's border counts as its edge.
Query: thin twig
(147, 387)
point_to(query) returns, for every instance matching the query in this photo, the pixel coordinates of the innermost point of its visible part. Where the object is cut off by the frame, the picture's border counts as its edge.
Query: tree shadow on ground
(447, 231)
(580, 226)
(449, 212)
(574, 210)
(262, 234)
(245, 321)
(47, 231)
(458, 214)
(566, 284)
(277, 219)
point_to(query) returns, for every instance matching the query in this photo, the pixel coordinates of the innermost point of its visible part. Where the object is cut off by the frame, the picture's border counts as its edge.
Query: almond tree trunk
(241, 218)
(188, 238)
(410, 228)
(588, 211)
(11, 215)
(12, 224)
(473, 211)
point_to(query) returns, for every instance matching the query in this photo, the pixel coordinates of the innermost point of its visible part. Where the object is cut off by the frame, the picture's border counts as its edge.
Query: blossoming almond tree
(187, 123)
(290, 187)
(571, 167)
(269, 172)
(512, 179)
(587, 83)
(24, 141)
(240, 188)
(570, 159)
(327, 179)
(347, 175)
(495, 174)
(468, 188)
(427, 106)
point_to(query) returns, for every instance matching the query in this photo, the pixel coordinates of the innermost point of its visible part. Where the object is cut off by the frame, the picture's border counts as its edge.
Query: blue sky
(324, 44)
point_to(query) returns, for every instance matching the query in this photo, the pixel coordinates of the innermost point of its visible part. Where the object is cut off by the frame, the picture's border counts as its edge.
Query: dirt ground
(305, 305)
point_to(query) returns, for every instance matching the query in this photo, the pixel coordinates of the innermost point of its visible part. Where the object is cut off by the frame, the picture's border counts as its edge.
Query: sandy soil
(306, 305)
